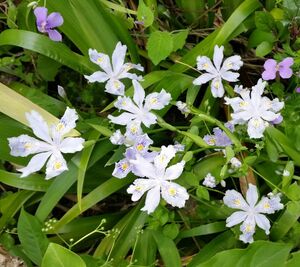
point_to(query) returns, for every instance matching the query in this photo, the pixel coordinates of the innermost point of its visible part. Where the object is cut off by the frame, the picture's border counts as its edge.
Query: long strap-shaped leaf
(43, 45)
(15, 106)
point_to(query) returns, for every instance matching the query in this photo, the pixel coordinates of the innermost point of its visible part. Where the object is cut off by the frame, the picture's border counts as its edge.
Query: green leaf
(159, 46)
(33, 240)
(263, 48)
(145, 14)
(202, 192)
(179, 39)
(259, 253)
(286, 221)
(43, 45)
(59, 256)
(259, 36)
(47, 67)
(167, 250)
(171, 230)
(294, 261)
(264, 21)
(206, 229)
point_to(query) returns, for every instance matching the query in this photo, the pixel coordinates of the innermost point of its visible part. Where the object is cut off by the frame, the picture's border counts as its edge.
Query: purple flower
(219, 138)
(45, 24)
(278, 120)
(283, 67)
(297, 90)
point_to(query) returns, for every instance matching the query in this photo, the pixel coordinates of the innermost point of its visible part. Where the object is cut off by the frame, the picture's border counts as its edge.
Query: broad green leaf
(12, 204)
(259, 253)
(59, 256)
(264, 21)
(145, 14)
(294, 261)
(222, 242)
(167, 250)
(47, 68)
(43, 45)
(287, 220)
(159, 46)
(263, 48)
(259, 36)
(33, 240)
(179, 39)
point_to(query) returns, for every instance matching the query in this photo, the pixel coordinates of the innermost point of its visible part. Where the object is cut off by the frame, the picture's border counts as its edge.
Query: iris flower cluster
(154, 170)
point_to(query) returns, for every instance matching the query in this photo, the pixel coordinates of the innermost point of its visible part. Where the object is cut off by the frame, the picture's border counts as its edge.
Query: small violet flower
(254, 109)
(251, 213)
(45, 24)
(141, 145)
(113, 71)
(284, 69)
(138, 110)
(53, 144)
(209, 181)
(216, 72)
(219, 138)
(158, 180)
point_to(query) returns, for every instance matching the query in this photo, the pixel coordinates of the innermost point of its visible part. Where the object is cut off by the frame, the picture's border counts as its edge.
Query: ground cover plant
(150, 133)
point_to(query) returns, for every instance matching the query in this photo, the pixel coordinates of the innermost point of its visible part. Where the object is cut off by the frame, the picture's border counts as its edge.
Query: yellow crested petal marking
(57, 165)
(172, 191)
(60, 126)
(237, 202)
(140, 147)
(100, 59)
(27, 145)
(124, 166)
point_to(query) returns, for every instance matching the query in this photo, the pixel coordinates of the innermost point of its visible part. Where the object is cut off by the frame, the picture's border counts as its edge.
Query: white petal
(217, 88)
(174, 194)
(71, 145)
(235, 200)
(143, 167)
(204, 63)
(204, 78)
(123, 119)
(115, 87)
(262, 222)
(35, 164)
(276, 105)
(125, 103)
(139, 93)
(122, 168)
(118, 57)
(101, 60)
(25, 145)
(38, 125)
(157, 101)
(55, 166)
(148, 119)
(229, 76)
(232, 63)
(117, 138)
(67, 122)
(166, 154)
(218, 56)
(252, 195)
(139, 187)
(174, 171)
(256, 127)
(152, 200)
(98, 76)
(236, 218)
(248, 230)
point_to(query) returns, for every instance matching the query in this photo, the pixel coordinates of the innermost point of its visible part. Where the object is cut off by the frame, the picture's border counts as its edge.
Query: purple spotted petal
(54, 35)
(285, 71)
(41, 15)
(54, 20)
(270, 70)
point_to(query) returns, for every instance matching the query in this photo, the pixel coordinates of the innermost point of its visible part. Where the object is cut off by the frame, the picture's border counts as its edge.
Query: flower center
(140, 147)
(172, 191)
(57, 165)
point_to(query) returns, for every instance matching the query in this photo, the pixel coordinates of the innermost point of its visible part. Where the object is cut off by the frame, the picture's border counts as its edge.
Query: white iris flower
(251, 211)
(216, 72)
(50, 145)
(113, 71)
(138, 110)
(254, 109)
(158, 181)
